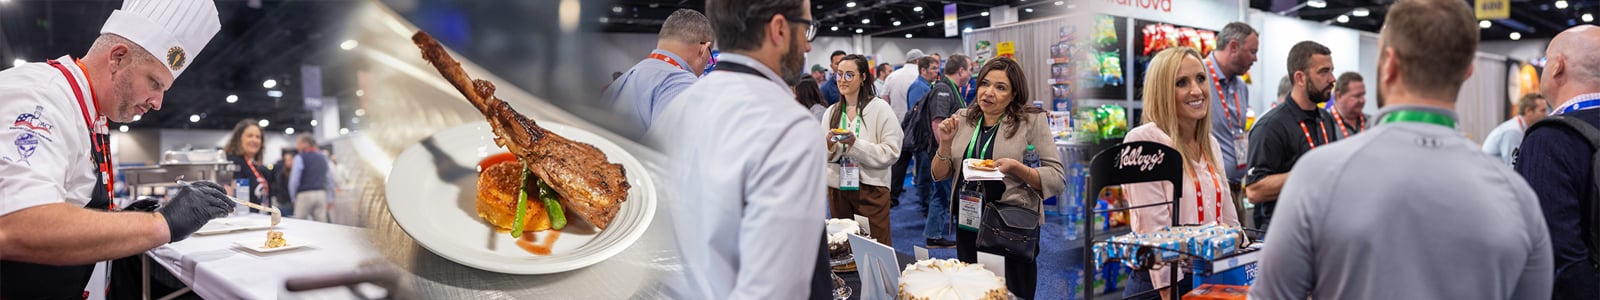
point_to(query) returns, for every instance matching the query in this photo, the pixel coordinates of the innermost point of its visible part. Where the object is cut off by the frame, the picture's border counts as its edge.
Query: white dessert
(839, 230)
(950, 279)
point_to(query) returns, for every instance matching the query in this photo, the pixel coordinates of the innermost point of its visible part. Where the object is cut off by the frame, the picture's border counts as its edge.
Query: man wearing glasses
(681, 54)
(749, 168)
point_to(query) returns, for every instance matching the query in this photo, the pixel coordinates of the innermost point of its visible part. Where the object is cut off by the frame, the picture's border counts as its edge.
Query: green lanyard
(844, 119)
(1419, 117)
(960, 97)
(974, 142)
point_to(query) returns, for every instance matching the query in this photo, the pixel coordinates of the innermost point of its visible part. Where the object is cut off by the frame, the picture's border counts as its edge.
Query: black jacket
(942, 100)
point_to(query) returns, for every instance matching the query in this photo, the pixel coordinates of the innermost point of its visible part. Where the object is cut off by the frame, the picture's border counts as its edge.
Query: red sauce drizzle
(528, 243)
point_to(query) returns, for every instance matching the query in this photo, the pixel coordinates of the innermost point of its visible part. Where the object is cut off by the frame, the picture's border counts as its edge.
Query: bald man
(1557, 161)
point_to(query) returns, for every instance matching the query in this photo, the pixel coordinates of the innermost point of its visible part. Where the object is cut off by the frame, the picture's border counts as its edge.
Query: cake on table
(839, 231)
(950, 279)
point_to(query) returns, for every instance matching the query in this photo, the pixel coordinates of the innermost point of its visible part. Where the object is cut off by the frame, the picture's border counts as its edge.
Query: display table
(217, 269)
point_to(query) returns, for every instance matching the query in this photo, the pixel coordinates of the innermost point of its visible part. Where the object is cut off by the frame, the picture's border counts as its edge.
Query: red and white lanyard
(1307, 132)
(1522, 123)
(260, 181)
(100, 148)
(1199, 196)
(1232, 118)
(665, 58)
(1340, 119)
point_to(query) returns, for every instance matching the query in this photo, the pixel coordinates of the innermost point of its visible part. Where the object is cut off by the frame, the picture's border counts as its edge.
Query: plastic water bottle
(1031, 158)
(241, 191)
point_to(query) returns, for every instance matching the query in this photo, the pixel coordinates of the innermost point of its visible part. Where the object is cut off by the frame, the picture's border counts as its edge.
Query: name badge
(970, 210)
(849, 175)
(1240, 144)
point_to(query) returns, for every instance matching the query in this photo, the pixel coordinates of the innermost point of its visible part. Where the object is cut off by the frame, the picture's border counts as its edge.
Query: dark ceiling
(645, 16)
(259, 40)
(1529, 18)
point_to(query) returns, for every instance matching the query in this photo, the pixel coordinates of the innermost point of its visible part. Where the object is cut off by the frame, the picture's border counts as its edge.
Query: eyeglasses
(811, 27)
(847, 75)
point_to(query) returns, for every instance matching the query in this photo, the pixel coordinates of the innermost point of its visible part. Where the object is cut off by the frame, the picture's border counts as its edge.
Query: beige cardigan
(1035, 130)
(877, 146)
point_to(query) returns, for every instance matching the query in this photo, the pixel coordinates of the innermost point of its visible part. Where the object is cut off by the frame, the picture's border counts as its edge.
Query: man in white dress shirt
(748, 204)
(900, 81)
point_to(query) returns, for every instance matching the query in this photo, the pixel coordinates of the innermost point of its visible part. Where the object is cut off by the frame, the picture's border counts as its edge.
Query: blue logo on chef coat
(33, 133)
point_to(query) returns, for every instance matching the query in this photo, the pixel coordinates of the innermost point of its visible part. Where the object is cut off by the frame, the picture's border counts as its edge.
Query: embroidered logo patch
(176, 58)
(34, 132)
(31, 122)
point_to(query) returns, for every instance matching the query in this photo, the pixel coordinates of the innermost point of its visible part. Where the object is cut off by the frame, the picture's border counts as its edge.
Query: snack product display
(950, 279)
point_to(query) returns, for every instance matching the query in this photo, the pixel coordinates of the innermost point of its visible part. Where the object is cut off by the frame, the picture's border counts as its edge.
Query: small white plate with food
(456, 194)
(272, 242)
(980, 170)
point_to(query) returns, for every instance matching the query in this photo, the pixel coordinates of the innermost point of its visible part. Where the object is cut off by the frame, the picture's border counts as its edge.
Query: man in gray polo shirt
(1414, 210)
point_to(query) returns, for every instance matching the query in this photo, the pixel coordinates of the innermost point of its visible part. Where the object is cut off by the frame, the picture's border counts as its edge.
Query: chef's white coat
(45, 154)
(747, 186)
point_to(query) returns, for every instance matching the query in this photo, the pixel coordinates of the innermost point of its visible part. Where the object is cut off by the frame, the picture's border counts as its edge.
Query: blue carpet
(1059, 259)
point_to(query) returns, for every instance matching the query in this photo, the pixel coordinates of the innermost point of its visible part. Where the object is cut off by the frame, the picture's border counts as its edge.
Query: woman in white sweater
(863, 143)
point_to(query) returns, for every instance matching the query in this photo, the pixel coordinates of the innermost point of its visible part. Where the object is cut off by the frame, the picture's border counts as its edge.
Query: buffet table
(217, 269)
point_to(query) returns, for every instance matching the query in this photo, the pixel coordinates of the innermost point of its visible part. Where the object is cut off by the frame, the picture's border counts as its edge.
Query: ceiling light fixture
(344, 131)
(917, 9)
(866, 21)
(834, 28)
(194, 118)
(263, 123)
(313, 123)
(896, 23)
(361, 112)
(616, 9)
(18, 62)
(1485, 24)
(968, 30)
(1343, 19)
(289, 130)
(850, 4)
(930, 24)
(123, 128)
(269, 83)
(908, 35)
(1516, 36)
(360, 93)
(1561, 4)
(858, 30)
(984, 14)
(1317, 3)
(605, 20)
(1361, 12)
(1059, 3)
(1588, 17)
(1030, 9)
(275, 93)
(348, 44)
(233, 98)
(137, 117)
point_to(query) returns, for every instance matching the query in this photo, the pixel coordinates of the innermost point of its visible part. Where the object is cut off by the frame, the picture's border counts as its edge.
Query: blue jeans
(934, 194)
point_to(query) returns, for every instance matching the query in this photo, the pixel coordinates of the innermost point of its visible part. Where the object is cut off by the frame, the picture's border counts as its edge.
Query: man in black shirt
(942, 100)
(1287, 131)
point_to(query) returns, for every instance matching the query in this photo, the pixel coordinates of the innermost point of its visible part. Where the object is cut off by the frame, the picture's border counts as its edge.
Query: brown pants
(871, 202)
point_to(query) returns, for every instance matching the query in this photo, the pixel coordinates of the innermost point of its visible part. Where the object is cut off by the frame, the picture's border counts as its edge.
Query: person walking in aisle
(1283, 134)
(1176, 115)
(682, 52)
(1002, 128)
(928, 71)
(1503, 142)
(743, 151)
(311, 181)
(943, 100)
(1411, 191)
(1558, 162)
(830, 84)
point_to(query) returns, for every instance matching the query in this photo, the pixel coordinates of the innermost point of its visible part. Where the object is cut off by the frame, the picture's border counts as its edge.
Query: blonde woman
(1177, 109)
(863, 142)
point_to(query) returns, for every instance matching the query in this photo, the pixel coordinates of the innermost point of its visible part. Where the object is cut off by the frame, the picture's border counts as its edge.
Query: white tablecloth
(217, 269)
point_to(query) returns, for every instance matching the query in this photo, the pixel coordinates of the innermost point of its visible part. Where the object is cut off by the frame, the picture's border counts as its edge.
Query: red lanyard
(261, 181)
(1307, 132)
(666, 58)
(1216, 80)
(1522, 123)
(1340, 118)
(100, 148)
(1200, 199)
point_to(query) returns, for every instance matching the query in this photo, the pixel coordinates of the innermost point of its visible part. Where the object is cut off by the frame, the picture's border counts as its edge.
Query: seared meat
(589, 184)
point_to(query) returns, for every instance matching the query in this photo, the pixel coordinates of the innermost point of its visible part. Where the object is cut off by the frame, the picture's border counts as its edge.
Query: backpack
(1591, 213)
(917, 125)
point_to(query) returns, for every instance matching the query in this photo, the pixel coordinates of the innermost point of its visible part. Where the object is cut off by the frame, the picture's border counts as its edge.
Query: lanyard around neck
(1340, 118)
(665, 58)
(1577, 106)
(961, 98)
(973, 143)
(99, 148)
(1200, 199)
(1419, 116)
(845, 119)
(1228, 112)
(1307, 132)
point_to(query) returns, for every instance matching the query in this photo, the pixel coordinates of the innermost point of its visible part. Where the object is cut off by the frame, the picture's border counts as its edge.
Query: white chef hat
(172, 30)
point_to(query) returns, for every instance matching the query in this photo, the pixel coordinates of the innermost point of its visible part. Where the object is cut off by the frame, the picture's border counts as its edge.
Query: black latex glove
(193, 206)
(144, 205)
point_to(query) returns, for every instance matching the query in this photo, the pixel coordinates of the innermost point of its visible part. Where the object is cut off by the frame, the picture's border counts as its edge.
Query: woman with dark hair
(810, 96)
(1003, 129)
(863, 142)
(244, 150)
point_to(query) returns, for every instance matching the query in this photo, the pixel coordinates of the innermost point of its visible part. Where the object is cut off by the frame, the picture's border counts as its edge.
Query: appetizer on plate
(551, 174)
(983, 165)
(275, 240)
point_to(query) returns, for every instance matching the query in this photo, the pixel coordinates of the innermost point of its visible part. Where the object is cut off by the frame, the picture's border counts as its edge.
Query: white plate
(226, 225)
(433, 186)
(258, 244)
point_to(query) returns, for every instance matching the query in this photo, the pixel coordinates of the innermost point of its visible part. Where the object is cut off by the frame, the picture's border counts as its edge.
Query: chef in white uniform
(56, 215)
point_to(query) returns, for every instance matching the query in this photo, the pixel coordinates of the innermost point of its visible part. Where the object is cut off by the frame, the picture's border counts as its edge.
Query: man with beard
(1410, 209)
(1236, 52)
(750, 171)
(1289, 130)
